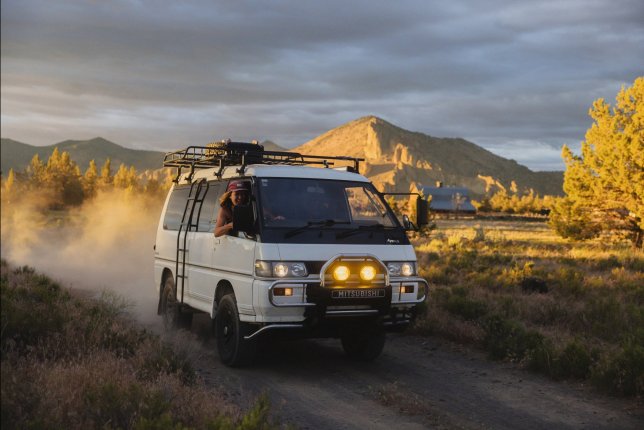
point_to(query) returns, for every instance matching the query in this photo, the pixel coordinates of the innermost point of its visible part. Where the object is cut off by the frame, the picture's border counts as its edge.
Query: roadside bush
(573, 362)
(465, 307)
(72, 363)
(31, 312)
(622, 372)
(509, 339)
(569, 281)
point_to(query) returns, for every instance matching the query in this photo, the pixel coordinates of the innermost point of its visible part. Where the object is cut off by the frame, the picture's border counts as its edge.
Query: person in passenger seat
(237, 193)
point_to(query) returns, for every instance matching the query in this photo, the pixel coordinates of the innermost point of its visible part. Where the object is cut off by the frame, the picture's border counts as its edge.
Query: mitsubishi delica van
(316, 251)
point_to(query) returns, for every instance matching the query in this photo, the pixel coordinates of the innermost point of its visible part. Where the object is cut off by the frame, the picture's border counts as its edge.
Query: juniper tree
(604, 185)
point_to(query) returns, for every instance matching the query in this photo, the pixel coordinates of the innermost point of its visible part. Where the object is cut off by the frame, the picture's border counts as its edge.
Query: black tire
(173, 316)
(363, 345)
(234, 350)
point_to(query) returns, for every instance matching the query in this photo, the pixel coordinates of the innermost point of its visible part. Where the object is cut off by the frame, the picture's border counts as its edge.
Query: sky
(515, 77)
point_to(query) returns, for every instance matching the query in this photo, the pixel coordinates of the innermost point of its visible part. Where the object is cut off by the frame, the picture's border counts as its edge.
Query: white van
(335, 262)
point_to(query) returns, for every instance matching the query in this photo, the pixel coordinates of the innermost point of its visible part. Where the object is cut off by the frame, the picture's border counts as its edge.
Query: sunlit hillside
(395, 158)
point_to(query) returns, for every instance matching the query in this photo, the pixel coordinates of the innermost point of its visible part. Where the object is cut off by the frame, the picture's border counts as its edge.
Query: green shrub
(621, 372)
(541, 355)
(121, 405)
(505, 338)
(468, 309)
(573, 362)
(604, 317)
(568, 281)
(607, 263)
(32, 311)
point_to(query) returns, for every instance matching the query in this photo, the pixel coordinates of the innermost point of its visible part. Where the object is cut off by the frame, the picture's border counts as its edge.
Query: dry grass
(74, 363)
(572, 310)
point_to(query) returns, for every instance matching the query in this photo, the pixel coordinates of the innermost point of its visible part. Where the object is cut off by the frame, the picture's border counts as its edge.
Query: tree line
(59, 182)
(515, 203)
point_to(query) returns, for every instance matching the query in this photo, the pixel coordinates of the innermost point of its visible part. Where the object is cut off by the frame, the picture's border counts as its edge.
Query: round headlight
(394, 269)
(298, 269)
(341, 273)
(367, 273)
(407, 269)
(280, 270)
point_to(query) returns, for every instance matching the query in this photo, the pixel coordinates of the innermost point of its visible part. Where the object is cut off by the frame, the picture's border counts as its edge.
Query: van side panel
(234, 261)
(164, 247)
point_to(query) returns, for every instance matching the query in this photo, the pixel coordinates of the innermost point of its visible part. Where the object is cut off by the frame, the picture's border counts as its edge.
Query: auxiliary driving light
(367, 273)
(283, 291)
(341, 273)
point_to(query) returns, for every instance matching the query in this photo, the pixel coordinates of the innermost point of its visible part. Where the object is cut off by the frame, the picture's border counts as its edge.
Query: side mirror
(421, 212)
(407, 225)
(244, 218)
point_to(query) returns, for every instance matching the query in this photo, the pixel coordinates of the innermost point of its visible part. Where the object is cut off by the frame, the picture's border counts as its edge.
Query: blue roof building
(448, 199)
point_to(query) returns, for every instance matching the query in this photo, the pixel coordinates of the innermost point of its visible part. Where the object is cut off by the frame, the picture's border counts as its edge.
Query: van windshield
(319, 203)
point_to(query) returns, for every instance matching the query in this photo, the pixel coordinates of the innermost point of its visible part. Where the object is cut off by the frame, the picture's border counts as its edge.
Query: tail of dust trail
(104, 245)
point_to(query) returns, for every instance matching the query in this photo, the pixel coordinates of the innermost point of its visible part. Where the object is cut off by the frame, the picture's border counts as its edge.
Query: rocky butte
(398, 159)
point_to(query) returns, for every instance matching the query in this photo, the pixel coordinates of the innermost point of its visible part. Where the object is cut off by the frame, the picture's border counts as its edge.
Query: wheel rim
(170, 311)
(227, 335)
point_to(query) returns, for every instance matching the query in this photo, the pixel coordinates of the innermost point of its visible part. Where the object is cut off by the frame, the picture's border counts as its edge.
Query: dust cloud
(104, 245)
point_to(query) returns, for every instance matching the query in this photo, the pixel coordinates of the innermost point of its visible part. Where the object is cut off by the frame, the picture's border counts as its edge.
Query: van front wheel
(234, 350)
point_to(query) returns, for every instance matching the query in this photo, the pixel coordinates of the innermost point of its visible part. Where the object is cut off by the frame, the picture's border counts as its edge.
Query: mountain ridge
(395, 159)
(17, 155)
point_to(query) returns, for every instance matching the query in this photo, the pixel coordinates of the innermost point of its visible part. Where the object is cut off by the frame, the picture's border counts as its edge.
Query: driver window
(366, 207)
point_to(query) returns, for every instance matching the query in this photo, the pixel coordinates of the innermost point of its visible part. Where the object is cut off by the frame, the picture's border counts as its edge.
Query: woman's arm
(224, 222)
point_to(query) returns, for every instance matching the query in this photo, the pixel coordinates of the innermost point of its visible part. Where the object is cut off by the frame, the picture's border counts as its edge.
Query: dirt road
(416, 383)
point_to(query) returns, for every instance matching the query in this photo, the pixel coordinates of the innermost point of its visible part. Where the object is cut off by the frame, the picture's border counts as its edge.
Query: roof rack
(227, 153)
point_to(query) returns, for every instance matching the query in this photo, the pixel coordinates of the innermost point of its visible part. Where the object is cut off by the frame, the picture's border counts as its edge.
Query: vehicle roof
(282, 171)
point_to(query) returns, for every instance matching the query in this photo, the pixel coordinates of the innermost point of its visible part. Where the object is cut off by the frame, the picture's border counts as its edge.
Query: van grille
(314, 267)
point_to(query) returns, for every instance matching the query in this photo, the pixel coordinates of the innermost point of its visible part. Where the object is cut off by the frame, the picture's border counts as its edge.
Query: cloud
(155, 75)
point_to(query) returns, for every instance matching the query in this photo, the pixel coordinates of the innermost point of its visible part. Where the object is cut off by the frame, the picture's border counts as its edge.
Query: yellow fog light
(341, 273)
(367, 273)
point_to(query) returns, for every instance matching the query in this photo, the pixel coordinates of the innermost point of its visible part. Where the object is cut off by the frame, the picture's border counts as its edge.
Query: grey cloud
(152, 74)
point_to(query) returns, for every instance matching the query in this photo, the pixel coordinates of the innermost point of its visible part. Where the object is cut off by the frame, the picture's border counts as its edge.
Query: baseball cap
(238, 186)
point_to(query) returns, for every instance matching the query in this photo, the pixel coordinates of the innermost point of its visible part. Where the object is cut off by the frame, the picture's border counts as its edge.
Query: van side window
(210, 207)
(176, 206)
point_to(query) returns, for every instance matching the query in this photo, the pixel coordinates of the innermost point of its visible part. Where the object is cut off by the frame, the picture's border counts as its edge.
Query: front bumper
(311, 304)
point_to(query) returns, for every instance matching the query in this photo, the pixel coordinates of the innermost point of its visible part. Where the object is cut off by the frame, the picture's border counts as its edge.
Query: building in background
(448, 200)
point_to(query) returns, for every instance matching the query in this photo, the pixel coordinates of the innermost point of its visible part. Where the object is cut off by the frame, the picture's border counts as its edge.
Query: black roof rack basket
(227, 153)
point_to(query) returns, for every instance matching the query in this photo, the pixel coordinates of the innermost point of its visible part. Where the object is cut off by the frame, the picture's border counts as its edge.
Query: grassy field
(570, 310)
(68, 362)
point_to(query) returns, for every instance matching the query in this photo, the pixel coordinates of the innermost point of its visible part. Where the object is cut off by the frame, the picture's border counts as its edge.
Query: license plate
(358, 294)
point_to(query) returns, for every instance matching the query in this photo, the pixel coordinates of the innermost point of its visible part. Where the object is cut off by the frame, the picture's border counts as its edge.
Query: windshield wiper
(361, 228)
(314, 223)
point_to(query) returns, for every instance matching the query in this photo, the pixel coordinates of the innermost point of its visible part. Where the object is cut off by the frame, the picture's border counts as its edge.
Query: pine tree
(604, 185)
(106, 178)
(9, 184)
(90, 180)
(61, 179)
(36, 171)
